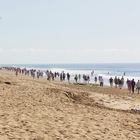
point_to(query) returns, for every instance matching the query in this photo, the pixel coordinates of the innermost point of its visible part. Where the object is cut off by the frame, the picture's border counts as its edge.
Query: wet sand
(36, 109)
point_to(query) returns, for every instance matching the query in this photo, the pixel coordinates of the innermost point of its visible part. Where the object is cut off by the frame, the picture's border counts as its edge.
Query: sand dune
(32, 109)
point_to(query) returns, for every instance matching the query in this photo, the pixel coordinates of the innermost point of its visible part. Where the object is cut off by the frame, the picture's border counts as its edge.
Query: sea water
(127, 70)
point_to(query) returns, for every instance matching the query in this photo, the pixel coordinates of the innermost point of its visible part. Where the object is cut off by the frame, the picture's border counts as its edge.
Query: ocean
(127, 70)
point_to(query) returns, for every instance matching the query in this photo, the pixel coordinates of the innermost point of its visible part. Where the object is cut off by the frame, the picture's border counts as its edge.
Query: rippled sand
(32, 109)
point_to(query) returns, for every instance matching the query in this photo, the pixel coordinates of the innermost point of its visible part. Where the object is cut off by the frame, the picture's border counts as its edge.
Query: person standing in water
(92, 73)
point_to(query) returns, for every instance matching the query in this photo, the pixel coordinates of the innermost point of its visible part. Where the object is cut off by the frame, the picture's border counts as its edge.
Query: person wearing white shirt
(138, 86)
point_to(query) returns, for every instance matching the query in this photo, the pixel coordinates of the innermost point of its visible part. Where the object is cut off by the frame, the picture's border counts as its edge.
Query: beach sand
(36, 109)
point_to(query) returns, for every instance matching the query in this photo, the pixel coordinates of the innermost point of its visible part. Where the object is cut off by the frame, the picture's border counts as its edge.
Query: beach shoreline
(106, 70)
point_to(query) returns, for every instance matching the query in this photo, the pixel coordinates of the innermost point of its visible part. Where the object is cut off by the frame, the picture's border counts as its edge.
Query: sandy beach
(36, 109)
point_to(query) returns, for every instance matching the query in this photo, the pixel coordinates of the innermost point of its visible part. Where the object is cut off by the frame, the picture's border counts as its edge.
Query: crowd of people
(77, 78)
(131, 84)
(119, 82)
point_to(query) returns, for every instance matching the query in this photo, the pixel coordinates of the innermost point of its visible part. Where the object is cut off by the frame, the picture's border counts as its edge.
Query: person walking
(95, 79)
(116, 81)
(129, 85)
(68, 77)
(101, 80)
(138, 86)
(76, 78)
(133, 84)
(111, 82)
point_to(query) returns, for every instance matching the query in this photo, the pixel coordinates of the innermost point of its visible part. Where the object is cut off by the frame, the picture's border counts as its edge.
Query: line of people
(118, 82)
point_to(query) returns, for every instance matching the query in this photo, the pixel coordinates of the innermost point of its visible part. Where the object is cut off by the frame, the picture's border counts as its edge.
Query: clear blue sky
(69, 31)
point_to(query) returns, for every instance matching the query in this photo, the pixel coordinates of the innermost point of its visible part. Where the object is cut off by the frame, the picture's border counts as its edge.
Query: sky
(69, 31)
